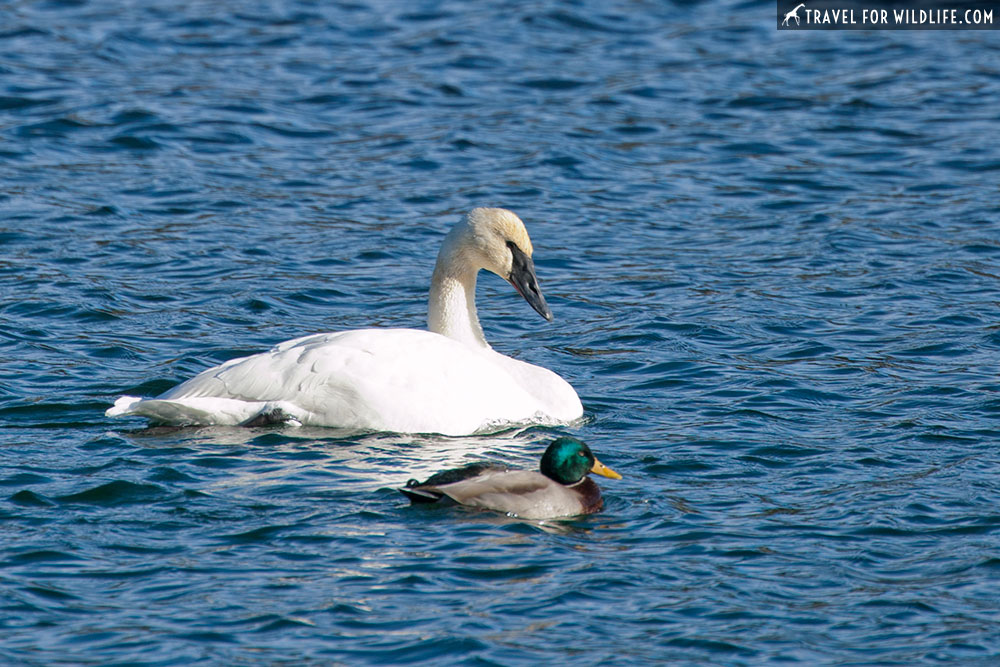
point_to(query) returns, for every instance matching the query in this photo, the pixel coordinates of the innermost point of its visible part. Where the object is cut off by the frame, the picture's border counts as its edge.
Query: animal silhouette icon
(794, 14)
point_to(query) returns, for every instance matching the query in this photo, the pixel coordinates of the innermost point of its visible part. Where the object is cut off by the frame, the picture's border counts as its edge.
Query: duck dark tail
(419, 495)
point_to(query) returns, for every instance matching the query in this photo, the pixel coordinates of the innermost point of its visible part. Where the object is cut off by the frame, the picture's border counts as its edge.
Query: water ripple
(772, 263)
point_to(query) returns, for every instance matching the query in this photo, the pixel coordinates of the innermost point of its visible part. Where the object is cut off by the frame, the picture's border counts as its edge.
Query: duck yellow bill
(604, 471)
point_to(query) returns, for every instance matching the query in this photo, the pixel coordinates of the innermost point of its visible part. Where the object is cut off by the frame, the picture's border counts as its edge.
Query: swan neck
(452, 303)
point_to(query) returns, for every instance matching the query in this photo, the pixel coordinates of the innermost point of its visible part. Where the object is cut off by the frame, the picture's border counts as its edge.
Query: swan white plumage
(446, 380)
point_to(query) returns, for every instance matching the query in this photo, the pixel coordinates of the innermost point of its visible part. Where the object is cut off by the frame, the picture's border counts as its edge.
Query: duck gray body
(527, 494)
(523, 493)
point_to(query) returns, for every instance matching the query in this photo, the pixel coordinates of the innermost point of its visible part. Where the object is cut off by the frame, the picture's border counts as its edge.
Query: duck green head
(567, 461)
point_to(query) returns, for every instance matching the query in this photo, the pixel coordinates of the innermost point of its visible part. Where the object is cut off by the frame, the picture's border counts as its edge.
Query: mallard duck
(446, 380)
(561, 488)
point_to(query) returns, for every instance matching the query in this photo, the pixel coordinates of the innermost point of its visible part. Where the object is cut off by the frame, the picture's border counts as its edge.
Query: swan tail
(122, 406)
(204, 411)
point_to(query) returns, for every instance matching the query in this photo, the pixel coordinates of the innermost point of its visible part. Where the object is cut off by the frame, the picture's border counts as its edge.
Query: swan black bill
(524, 280)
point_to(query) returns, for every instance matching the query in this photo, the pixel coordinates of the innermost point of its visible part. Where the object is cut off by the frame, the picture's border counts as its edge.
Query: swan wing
(402, 380)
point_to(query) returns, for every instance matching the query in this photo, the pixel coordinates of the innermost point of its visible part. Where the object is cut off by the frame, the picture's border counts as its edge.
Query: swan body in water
(445, 380)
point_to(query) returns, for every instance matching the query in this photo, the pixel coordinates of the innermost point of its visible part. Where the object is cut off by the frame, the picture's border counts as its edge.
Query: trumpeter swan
(446, 380)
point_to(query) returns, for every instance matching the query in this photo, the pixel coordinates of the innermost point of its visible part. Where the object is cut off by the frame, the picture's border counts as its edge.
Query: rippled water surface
(774, 261)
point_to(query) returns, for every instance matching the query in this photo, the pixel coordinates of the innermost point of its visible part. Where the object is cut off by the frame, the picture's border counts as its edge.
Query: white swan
(447, 380)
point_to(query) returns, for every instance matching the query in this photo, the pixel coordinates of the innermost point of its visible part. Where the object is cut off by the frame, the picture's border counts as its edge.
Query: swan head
(500, 244)
(567, 460)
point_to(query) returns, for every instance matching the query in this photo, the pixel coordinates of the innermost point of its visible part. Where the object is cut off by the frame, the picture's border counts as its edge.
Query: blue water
(774, 262)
